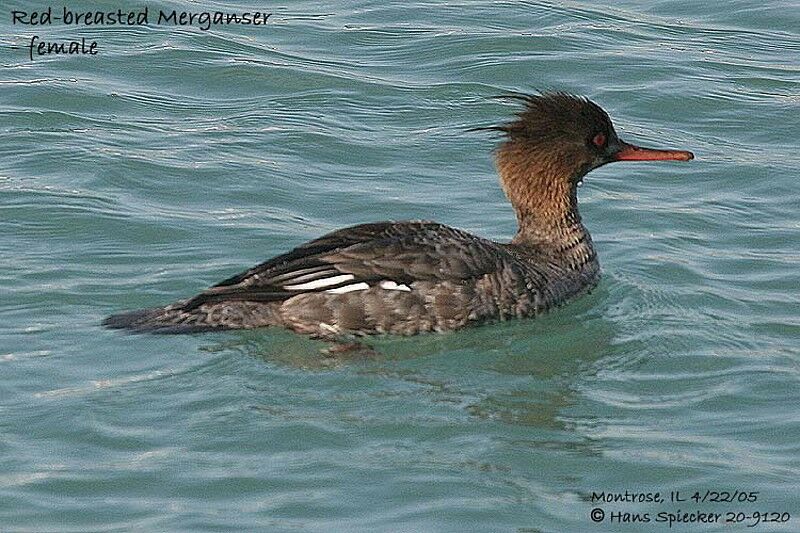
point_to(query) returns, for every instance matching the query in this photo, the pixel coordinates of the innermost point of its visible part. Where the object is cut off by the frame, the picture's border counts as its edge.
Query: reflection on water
(521, 373)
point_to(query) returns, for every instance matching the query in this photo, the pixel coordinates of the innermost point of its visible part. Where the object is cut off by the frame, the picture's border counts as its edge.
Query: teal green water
(177, 157)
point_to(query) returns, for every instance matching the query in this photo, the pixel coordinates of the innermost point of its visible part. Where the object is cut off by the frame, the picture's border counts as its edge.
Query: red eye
(599, 140)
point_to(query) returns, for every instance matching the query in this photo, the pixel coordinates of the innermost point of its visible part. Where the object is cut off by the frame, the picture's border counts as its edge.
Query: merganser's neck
(543, 192)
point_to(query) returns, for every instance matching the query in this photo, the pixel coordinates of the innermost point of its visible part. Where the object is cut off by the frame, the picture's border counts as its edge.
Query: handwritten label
(729, 507)
(203, 20)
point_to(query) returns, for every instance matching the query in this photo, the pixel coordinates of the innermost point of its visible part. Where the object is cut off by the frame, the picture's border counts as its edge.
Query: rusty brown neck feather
(541, 188)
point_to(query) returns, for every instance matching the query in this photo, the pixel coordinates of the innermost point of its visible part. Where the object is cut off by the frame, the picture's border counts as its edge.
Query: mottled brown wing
(402, 252)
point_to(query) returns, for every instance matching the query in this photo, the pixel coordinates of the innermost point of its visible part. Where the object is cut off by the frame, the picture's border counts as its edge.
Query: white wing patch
(320, 283)
(361, 286)
(392, 286)
(349, 288)
(386, 284)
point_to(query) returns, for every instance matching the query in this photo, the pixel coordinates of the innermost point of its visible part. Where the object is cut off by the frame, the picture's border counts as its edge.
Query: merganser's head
(555, 140)
(577, 131)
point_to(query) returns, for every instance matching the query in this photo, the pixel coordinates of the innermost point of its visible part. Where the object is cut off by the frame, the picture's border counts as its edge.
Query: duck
(412, 277)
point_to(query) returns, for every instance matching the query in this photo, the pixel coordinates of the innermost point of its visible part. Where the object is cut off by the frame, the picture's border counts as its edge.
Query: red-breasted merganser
(412, 277)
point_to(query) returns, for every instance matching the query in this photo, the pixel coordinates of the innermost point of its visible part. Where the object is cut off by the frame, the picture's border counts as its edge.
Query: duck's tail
(169, 319)
(182, 318)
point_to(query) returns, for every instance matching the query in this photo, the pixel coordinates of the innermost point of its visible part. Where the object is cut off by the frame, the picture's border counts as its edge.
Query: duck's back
(385, 277)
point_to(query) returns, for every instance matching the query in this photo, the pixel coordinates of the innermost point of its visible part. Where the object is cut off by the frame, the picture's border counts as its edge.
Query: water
(177, 157)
